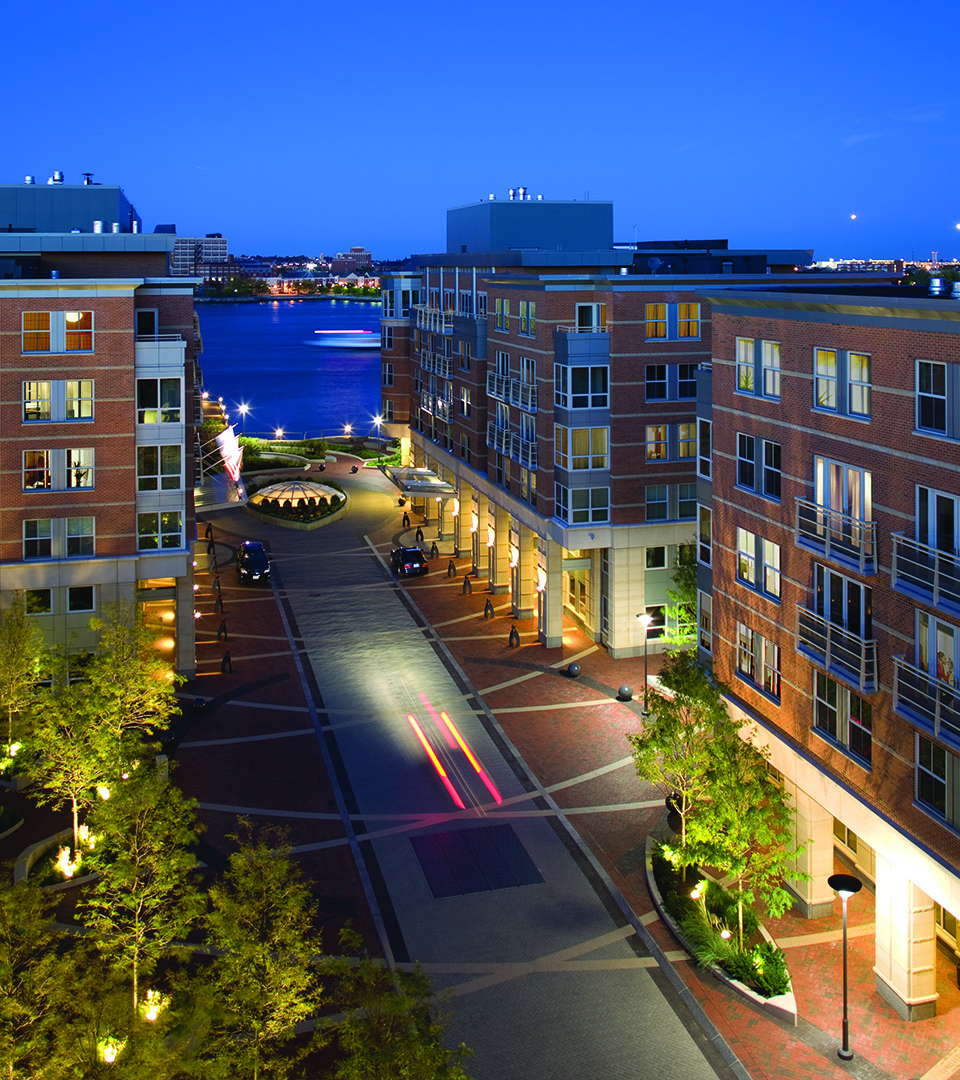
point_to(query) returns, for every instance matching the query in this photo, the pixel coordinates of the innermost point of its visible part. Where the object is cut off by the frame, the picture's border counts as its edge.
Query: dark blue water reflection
(267, 356)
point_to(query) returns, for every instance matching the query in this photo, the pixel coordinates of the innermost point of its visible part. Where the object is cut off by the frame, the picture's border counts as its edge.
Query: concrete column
(186, 626)
(461, 527)
(498, 519)
(814, 829)
(550, 596)
(906, 944)
(479, 540)
(523, 580)
(627, 600)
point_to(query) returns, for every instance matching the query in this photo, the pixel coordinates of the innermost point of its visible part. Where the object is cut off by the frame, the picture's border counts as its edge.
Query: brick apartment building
(830, 587)
(98, 349)
(546, 381)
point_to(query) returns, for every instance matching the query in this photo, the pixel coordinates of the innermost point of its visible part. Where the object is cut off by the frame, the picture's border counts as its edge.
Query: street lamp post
(645, 620)
(846, 885)
(378, 420)
(244, 409)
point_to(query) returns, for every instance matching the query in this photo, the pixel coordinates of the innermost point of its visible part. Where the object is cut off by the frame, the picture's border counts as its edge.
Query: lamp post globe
(645, 619)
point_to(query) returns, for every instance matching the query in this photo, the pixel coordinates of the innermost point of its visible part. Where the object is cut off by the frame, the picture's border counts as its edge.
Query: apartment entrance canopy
(420, 483)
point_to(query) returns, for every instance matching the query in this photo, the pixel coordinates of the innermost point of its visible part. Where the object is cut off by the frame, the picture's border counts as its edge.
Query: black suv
(408, 561)
(252, 562)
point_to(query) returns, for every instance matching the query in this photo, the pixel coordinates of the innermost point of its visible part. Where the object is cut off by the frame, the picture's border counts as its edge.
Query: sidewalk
(571, 733)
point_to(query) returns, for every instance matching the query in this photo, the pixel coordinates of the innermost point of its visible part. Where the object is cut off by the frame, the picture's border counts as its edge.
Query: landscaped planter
(29, 858)
(783, 1006)
(12, 829)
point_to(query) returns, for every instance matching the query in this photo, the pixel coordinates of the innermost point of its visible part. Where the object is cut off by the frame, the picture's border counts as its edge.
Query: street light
(846, 885)
(347, 428)
(279, 433)
(645, 620)
(244, 409)
(378, 420)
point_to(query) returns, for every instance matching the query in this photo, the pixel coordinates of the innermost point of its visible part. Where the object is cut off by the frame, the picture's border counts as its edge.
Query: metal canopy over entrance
(420, 482)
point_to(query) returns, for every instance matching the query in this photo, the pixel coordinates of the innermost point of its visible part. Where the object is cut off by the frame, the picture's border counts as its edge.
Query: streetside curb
(32, 854)
(683, 991)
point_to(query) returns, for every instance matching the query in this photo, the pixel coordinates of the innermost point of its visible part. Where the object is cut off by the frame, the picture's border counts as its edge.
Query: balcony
(838, 537)
(592, 329)
(523, 395)
(498, 438)
(436, 406)
(924, 699)
(926, 573)
(434, 320)
(437, 363)
(155, 351)
(498, 386)
(844, 654)
(523, 451)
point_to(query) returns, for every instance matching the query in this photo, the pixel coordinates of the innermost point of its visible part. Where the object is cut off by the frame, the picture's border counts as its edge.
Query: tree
(676, 749)
(681, 620)
(131, 689)
(145, 897)
(21, 653)
(31, 980)
(69, 753)
(266, 972)
(745, 828)
(388, 1030)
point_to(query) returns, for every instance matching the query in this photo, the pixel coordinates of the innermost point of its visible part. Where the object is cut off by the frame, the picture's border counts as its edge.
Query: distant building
(98, 370)
(357, 258)
(199, 256)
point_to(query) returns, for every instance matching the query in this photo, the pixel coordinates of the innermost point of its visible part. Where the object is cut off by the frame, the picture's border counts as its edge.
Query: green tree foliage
(745, 828)
(21, 657)
(676, 750)
(681, 628)
(69, 753)
(145, 898)
(266, 972)
(32, 980)
(390, 1031)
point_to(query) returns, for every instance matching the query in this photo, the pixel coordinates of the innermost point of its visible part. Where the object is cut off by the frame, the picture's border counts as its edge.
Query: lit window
(656, 442)
(78, 330)
(825, 392)
(843, 717)
(158, 401)
(656, 321)
(80, 468)
(57, 331)
(745, 372)
(78, 399)
(771, 369)
(36, 470)
(705, 621)
(688, 320)
(36, 401)
(36, 331)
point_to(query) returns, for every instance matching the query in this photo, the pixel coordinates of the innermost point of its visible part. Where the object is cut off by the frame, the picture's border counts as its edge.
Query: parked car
(252, 562)
(408, 560)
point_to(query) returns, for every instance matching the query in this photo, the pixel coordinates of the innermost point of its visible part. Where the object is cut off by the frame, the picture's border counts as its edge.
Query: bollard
(208, 532)
(218, 603)
(215, 587)
(573, 671)
(406, 520)
(467, 586)
(226, 664)
(434, 551)
(222, 631)
(625, 693)
(451, 569)
(488, 609)
(419, 535)
(211, 548)
(513, 642)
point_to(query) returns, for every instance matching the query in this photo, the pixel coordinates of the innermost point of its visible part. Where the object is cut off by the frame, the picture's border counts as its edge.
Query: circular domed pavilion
(297, 491)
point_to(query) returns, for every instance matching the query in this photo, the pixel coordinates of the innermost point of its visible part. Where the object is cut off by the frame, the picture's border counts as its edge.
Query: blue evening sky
(310, 127)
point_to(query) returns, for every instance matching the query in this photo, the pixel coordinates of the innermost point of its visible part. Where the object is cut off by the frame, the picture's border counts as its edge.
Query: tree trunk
(76, 826)
(135, 988)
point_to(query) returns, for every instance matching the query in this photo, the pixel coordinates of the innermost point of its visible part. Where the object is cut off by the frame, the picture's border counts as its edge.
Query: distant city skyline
(831, 127)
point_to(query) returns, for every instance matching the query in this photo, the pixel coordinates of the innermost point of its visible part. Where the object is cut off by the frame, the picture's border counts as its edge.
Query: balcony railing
(839, 537)
(604, 329)
(498, 437)
(924, 699)
(850, 657)
(437, 363)
(498, 386)
(523, 395)
(926, 572)
(434, 320)
(435, 405)
(523, 451)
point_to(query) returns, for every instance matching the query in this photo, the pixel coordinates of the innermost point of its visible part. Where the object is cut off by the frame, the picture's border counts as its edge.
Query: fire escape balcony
(434, 320)
(837, 650)
(926, 572)
(838, 537)
(925, 700)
